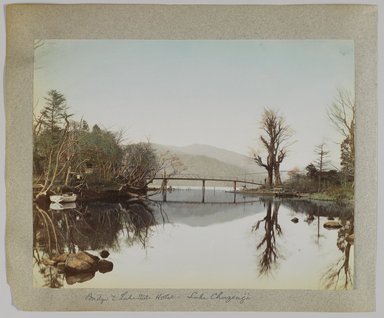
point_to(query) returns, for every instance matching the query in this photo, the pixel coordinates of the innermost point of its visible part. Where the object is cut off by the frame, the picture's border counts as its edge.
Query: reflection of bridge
(197, 203)
(235, 181)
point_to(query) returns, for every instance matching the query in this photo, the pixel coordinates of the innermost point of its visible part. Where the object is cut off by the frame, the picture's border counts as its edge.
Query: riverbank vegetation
(70, 156)
(96, 163)
(321, 180)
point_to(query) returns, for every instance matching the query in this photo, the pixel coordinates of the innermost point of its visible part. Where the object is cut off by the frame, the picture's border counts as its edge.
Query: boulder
(60, 258)
(94, 257)
(81, 262)
(48, 262)
(332, 224)
(79, 277)
(105, 266)
(104, 254)
(295, 220)
(60, 266)
(310, 217)
(350, 238)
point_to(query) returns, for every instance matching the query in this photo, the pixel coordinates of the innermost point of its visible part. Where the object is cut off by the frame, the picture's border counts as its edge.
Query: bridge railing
(194, 177)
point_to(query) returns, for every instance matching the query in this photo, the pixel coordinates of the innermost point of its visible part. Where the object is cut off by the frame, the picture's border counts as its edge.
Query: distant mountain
(201, 216)
(204, 160)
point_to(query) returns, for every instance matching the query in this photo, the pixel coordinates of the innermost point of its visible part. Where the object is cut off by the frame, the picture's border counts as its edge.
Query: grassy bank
(337, 194)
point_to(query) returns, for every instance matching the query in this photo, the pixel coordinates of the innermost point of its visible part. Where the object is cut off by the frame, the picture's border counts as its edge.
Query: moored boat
(69, 197)
(62, 206)
(64, 198)
(55, 198)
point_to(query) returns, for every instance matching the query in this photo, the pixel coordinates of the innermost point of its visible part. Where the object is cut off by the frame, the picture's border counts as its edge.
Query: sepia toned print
(193, 164)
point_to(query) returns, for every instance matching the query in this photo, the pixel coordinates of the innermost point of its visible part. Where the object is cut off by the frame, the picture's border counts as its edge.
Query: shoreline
(316, 196)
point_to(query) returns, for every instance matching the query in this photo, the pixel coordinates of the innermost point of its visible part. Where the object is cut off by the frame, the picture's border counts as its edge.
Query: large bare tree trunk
(277, 175)
(268, 166)
(274, 140)
(270, 177)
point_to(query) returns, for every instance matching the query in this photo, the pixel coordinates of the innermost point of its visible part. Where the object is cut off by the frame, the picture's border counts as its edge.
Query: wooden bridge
(165, 180)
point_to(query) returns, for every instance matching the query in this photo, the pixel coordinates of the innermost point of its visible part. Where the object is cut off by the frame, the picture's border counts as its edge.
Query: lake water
(184, 243)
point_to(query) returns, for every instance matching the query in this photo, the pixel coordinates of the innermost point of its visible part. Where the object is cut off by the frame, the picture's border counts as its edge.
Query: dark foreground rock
(350, 238)
(104, 253)
(61, 267)
(332, 224)
(48, 262)
(81, 262)
(60, 258)
(79, 277)
(79, 267)
(105, 266)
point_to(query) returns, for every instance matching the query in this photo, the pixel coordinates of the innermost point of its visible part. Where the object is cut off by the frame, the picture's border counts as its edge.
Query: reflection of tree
(90, 227)
(137, 218)
(51, 276)
(319, 208)
(271, 226)
(45, 234)
(94, 226)
(340, 274)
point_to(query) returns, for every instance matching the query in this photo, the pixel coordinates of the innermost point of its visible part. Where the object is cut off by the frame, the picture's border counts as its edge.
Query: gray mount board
(25, 23)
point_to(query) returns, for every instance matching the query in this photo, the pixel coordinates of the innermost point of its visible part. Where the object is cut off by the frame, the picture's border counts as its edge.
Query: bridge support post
(164, 189)
(234, 191)
(203, 189)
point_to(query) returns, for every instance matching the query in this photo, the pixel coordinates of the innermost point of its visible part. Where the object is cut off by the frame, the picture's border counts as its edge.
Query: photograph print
(194, 164)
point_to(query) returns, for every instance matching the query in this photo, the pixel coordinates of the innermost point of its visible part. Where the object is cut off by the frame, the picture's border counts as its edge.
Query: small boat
(64, 198)
(62, 206)
(69, 197)
(55, 198)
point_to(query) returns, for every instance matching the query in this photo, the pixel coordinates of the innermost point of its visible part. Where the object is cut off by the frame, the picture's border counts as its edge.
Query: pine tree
(54, 113)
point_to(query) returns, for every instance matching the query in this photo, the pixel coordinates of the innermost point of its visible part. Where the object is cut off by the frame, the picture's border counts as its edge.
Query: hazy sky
(207, 92)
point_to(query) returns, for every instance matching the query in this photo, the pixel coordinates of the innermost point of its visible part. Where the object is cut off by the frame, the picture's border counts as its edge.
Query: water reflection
(340, 274)
(318, 208)
(190, 249)
(270, 254)
(92, 226)
(95, 226)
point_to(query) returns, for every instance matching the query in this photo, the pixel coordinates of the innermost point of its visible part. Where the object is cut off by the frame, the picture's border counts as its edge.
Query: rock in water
(48, 262)
(104, 253)
(79, 277)
(350, 238)
(61, 258)
(94, 257)
(105, 266)
(81, 262)
(295, 220)
(311, 217)
(60, 267)
(332, 225)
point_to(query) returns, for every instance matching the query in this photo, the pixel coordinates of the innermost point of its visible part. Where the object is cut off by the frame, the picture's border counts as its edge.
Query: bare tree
(322, 161)
(54, 143)
(57, 161)
(268, 165)
(141, 164)
(342, 114)
(276, 133)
